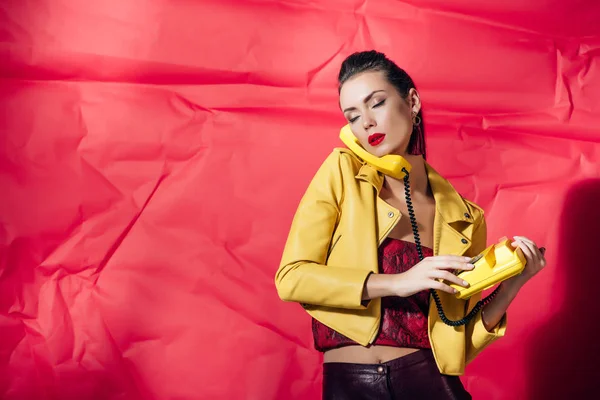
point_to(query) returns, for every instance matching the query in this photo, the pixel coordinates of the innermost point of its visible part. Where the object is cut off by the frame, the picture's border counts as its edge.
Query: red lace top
(403, 319)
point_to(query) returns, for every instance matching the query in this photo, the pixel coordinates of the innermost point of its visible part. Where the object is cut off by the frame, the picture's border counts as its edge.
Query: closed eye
(382, 102)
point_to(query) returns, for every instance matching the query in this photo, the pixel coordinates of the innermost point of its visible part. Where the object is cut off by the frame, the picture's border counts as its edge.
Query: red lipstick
(376, 139)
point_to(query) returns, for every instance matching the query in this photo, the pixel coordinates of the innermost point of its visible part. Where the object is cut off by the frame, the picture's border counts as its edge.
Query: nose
(368, 121)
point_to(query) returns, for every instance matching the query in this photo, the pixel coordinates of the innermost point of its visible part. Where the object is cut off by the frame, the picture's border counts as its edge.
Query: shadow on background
(564, 353)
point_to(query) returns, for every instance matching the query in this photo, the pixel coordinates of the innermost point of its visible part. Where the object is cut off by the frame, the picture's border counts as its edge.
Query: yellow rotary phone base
(493, 265)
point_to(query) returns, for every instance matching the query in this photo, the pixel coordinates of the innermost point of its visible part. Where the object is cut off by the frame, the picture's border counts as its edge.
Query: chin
(384, 150)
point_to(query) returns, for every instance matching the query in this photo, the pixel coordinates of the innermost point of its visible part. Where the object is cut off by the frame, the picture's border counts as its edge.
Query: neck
(419, 184)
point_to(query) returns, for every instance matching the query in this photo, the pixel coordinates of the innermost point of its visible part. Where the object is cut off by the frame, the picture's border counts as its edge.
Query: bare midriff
(366, 355)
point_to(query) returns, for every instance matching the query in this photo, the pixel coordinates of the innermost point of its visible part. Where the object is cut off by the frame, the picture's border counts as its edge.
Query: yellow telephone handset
(391, 164)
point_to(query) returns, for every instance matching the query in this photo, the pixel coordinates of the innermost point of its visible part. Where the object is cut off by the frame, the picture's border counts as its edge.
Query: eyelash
(352, 120)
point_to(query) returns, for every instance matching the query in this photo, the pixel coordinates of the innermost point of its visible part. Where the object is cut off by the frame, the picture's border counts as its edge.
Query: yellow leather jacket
(333, 246)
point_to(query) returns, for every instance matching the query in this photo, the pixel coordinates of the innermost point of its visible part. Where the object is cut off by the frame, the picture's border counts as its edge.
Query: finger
(538, 251)
(539, 255)
(542, 251)
(524, 239)
(443, 287)
(448, 258)
(450, 277)
(536, 255)
(530, 251)
(461, 265)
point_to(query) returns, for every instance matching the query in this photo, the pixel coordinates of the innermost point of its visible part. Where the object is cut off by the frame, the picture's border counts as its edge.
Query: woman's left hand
(535, 260)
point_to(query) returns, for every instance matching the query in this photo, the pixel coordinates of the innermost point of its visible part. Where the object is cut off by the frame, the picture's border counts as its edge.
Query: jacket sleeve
(477, 336)
(302, 275)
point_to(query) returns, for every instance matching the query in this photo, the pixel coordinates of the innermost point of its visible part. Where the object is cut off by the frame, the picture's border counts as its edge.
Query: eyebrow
(365, 100)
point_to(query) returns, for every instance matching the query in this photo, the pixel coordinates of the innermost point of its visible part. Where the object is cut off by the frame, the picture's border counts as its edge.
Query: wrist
(380, 285)
(514, 284)
(397, 283)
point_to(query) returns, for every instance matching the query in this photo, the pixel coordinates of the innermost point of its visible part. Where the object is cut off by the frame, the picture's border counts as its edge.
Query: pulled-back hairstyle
(367, 61)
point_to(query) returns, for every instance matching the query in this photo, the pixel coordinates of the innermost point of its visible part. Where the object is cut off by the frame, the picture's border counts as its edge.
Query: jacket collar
(454, 208)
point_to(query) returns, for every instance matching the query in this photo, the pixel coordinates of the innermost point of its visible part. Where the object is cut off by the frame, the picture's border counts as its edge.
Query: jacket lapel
(451, 213)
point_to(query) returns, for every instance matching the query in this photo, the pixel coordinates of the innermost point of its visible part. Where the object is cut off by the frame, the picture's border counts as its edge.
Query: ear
(414, 101)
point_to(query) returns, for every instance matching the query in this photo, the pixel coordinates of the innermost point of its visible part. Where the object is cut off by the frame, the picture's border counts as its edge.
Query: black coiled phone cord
(436, 298)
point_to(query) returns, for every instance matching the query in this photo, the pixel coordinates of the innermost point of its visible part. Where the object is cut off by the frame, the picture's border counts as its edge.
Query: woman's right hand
(425, 275)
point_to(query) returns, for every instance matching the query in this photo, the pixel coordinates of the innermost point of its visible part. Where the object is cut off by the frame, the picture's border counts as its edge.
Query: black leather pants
(414, 376)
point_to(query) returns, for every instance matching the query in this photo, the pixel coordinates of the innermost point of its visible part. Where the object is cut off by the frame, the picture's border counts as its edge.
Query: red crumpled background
(152, 154)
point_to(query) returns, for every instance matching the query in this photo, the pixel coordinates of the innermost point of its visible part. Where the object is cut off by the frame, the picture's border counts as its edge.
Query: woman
(352, 258)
